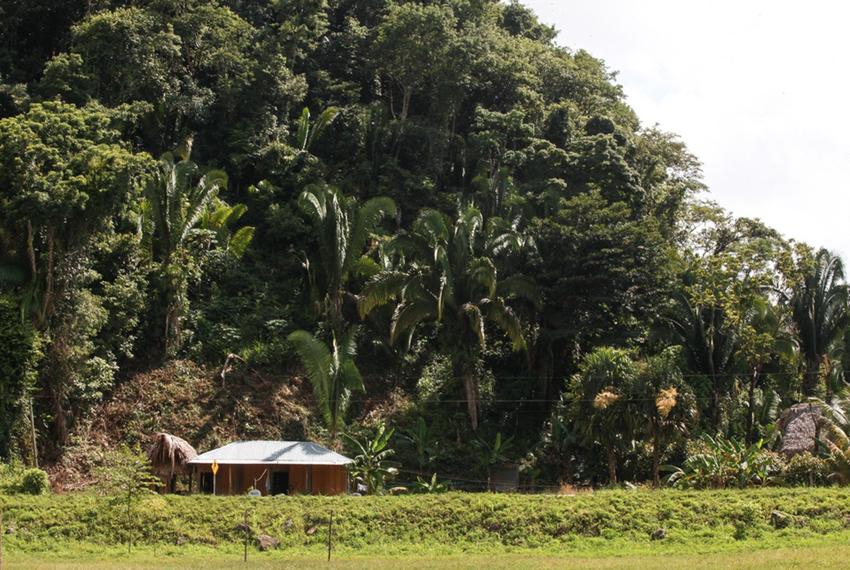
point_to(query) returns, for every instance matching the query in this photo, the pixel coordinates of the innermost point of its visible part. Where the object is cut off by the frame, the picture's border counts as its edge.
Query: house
(272, 468)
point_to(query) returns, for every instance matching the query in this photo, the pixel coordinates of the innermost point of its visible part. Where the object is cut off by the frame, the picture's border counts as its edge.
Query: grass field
(820, 556)
(764, 528)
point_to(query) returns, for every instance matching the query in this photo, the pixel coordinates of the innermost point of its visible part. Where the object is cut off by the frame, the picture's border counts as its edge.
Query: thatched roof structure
(170, 455)
(799, 426)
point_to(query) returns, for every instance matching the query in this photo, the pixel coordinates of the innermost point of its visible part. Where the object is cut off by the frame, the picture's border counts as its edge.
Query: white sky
(757, 89)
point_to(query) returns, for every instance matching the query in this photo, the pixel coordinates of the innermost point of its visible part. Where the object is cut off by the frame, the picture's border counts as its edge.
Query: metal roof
(273, 453)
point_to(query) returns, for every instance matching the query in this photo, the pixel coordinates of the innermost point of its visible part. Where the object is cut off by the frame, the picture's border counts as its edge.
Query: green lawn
(821, 556)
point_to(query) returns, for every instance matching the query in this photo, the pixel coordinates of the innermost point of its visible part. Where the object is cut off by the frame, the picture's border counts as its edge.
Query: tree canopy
(428, 211)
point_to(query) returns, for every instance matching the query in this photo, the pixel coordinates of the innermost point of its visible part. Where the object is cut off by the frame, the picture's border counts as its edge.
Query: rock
(311, 531)
(659, 534)
(398, 491)
(10, 530)
(778, 519)
(288, 524)
(266, 542)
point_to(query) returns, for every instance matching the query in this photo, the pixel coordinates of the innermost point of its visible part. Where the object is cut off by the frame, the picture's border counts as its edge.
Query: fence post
(330, 534)
(245, 555)
(2, 532)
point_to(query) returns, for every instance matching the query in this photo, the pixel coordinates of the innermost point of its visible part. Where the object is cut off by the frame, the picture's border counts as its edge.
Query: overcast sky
(757, 89)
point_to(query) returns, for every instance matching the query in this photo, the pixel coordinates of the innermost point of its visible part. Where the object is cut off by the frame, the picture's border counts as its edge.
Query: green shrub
(14, 480)
(807, 470)
(33, 482)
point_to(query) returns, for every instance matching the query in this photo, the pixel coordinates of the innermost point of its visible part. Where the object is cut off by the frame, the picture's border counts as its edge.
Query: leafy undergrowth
(615, 521)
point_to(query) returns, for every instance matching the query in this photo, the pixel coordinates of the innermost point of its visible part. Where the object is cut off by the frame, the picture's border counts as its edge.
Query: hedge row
(453, 522)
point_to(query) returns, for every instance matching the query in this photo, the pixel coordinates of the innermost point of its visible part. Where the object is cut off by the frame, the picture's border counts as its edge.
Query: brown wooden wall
(303, 479)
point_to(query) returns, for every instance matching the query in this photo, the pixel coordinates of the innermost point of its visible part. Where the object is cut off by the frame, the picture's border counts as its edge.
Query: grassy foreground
(833, 556)
(780, 528)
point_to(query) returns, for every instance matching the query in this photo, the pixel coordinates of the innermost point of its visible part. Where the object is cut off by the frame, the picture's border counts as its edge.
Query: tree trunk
(656, 460)
(751, 400)
(715, 404)
(612, 468)
(405, 103)
(810, 380)
(47, 302)
(470, 385)
(173, 311)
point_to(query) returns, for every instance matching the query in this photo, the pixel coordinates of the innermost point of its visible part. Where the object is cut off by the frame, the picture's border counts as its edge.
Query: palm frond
(506, 319)
(482, 271)
(522, 287)
(433, 224)
(381, 289)
(476, 322)
(408, 315)
(322, 122)
(318, 362)
(240, 241)
(303, 133)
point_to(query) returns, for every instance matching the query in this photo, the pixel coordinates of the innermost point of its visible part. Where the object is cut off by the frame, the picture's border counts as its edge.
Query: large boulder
(266, 542)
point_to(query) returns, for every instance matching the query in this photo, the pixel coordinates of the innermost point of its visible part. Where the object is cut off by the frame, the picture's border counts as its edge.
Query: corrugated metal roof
(272, 452)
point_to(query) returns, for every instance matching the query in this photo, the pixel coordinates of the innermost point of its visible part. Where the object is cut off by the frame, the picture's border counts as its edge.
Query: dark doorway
(280, 483)
(207, 483)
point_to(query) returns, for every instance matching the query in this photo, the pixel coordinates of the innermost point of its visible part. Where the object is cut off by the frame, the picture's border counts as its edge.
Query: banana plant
(371, 466)
(429, 486)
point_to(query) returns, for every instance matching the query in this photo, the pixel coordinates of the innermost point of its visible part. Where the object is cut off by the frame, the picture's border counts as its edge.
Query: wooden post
(330, 534)
(247, 532)
(34, 442)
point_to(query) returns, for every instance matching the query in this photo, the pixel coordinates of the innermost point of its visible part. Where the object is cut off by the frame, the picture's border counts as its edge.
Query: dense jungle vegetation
(427, 210)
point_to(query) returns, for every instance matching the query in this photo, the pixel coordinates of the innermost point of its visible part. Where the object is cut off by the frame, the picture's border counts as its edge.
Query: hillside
(428, 214)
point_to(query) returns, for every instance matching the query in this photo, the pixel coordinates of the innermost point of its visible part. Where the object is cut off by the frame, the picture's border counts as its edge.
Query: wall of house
(303, 479)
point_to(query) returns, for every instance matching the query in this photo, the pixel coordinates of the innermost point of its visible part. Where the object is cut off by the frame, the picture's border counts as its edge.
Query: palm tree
(710, 340)
(343, 228)
(448, 276)
(766, 342)
(177, 196)
(600, 406)
(819, 310)
(332, 372)
(668, 407)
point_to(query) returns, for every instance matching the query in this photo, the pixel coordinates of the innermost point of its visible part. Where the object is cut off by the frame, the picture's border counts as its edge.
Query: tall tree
(343, 228)
(67, 181)
(664, 404)
(726, 266)
(818, 300)
(178, 196)
(450, 278)
(599, 395)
